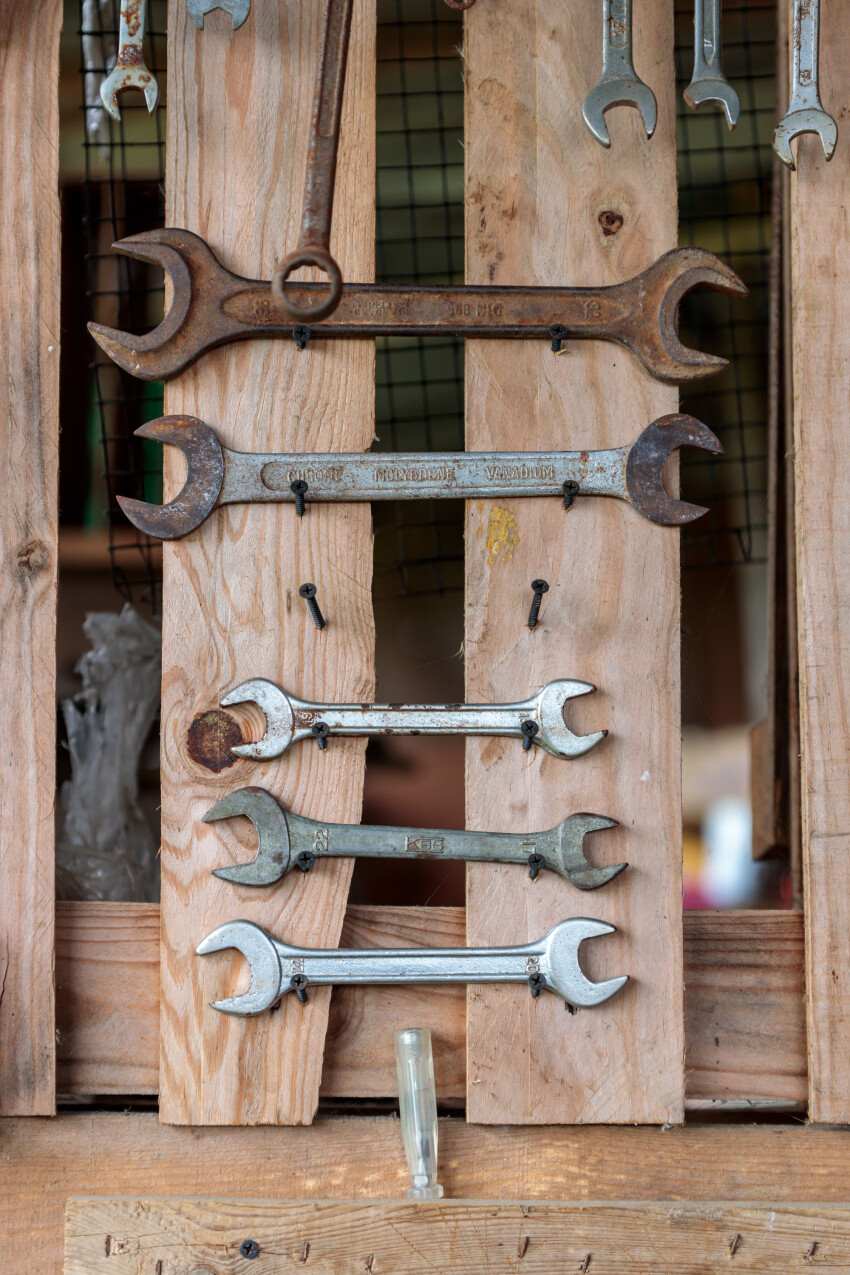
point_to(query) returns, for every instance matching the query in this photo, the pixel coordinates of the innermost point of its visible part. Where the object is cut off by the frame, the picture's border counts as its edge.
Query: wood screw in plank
(249, 1249)
(308, 592)
(540, 587)
(299, 490)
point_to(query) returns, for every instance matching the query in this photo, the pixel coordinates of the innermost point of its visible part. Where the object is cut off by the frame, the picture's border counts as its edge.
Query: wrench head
(279, 715)
(570, 861)
(120, 79)
(260, 953)
(645, 467)
(795, 123)
(198, 496)
(273, 850)
(554, 735)
(238, 10)
(564, 974)
(621, 91)
(701, 92)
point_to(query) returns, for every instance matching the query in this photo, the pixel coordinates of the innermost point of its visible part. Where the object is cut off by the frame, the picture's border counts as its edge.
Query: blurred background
(739, 834)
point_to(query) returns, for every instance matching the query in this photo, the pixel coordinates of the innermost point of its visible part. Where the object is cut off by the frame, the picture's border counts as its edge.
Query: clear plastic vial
(418, 1101)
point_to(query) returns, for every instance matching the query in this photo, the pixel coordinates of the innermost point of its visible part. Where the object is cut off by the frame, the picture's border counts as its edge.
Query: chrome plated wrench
(538, 720)
(286, 841)
(708, 83)
(805, 112)
(130, 71)
(551, 964)
(619, 83)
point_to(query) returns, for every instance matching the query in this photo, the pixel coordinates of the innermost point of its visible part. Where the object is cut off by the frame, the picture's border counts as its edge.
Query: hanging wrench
(538, 720)
(805, 112)
(130, 71)
(217, 476)
(317, 211)
(210, 307)
(619, 84)
(286, 841)
(708, 83)
(238, 10)
(550, 964)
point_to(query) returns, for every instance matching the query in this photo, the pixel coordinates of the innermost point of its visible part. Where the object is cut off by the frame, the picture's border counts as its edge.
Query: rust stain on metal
(212, 736)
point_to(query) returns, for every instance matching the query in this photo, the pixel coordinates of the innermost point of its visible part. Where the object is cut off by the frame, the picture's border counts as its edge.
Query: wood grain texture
(820, 273)
(29, 445)
(239, 113)
(537, 185)
(744, 1012)
(174, 1237)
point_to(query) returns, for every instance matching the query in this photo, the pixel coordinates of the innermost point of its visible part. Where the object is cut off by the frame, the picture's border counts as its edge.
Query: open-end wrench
(217, 476)
(286, 841)
(708, 83)
(551, 964)
(805, 112)
(129, 71)
(317, 210)
(538, 720)
(238, 10)
(210, 307)
(619, 84)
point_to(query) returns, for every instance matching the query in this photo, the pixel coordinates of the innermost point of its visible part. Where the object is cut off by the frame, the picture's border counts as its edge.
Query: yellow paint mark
(502, 535)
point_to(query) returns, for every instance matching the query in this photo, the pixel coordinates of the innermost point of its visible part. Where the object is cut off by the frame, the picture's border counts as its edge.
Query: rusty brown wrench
(211, 306)
(317, 210)
(218, 476)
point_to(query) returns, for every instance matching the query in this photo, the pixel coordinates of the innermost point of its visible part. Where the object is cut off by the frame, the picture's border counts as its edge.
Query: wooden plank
(541, 194)
(122, 1237)
(44, 1164)
(239, 113)
(29, 438)
(820, 275)
(744, 1014)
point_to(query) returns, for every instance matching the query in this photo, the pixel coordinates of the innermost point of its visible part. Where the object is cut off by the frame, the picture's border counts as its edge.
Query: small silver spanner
(538, 720)
(619, 84)
(708, 83)
(286, 841)
(130, 71)
(550, 964)
(805, 112)
(238, 10)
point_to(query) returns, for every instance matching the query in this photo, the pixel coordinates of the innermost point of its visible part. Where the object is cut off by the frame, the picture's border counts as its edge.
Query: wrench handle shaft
(804, 60)
(410, 965)
(415, 719)
(319, 185)
(363, 841)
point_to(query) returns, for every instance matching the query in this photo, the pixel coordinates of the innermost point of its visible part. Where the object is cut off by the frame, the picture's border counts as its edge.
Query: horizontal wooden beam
(744, 1010)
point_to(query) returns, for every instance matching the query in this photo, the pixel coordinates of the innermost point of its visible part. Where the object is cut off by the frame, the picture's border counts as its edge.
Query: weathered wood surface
(174, 1237)
(29, 445)
(744, 1012)
(820, 274)
(43, 1164)
(238, 125)
(542, 198)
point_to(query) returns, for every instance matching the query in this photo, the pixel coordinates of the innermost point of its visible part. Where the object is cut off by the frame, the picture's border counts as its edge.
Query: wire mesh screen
(725, 202)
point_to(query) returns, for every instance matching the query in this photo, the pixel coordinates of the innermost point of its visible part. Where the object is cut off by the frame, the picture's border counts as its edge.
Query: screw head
(305, 860)
(557, 332)
(307, 591)
(540, 586)
(298, 487)
(249, 1248)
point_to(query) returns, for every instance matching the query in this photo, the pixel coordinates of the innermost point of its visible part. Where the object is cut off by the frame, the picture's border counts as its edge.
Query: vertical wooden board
(540, 192)
(820, 274)
(29, 438)
(239, 113)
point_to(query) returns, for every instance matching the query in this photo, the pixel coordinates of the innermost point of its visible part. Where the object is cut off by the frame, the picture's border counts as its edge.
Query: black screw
(571, 489)
(321, 730)
(540, 587)
(529, 730)
(536, 863)
(306, 858)
(536, 982)
(298, 982)
(308, 591)
(299, 491)
(301, 335)
(249, 1248)
(557, 332)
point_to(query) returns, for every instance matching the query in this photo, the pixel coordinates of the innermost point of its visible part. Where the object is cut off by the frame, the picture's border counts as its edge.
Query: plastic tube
(418, 1102)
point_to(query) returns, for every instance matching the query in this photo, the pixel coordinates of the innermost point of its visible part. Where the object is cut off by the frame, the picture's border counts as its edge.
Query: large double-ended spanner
(805, 112)
(538, 720)
(551, 964)
(215, 475)
(211, 306)
(286, 841)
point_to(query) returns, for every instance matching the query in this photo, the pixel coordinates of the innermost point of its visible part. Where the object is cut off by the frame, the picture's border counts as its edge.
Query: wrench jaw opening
(564, 975)
(199, 495)
(704, 91)
(238, 10)
(570, 861)
(619, 92)
(272, 860)
(795, 123)
(262, 956)
(645, 467)
(121, 79)
(554, 735)
(279, 714)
